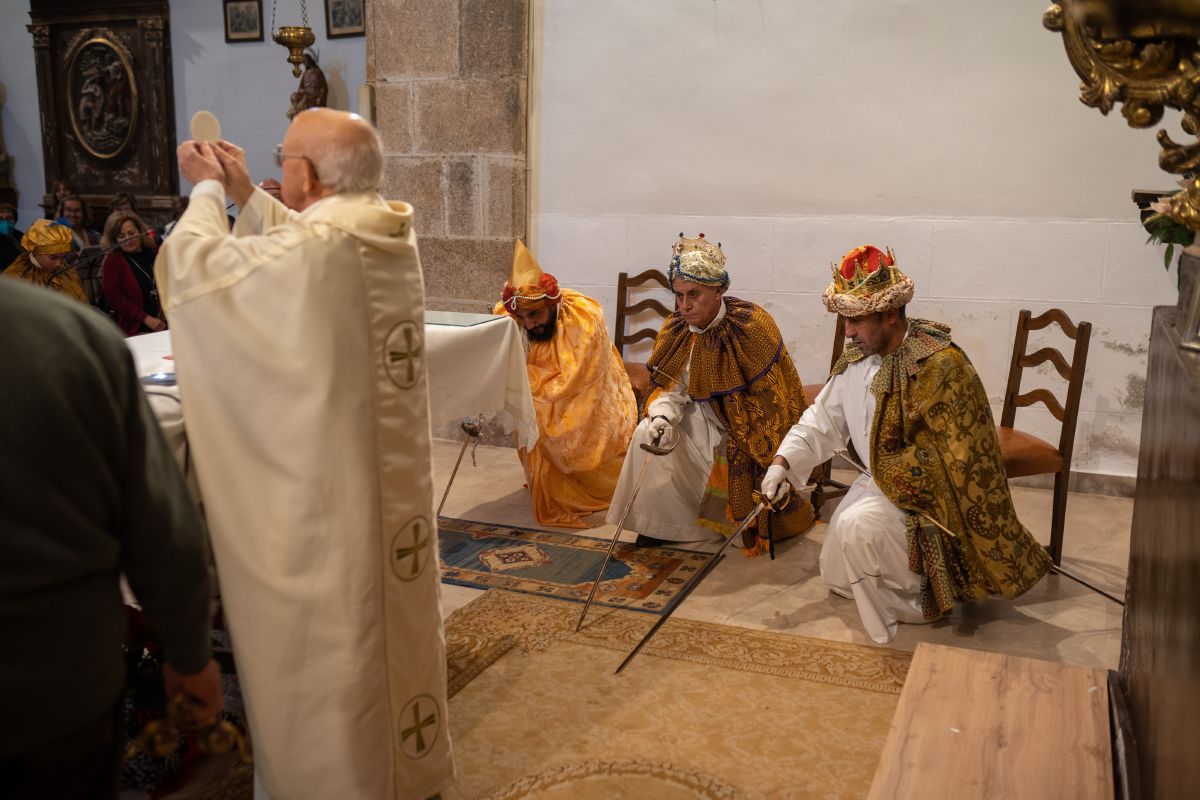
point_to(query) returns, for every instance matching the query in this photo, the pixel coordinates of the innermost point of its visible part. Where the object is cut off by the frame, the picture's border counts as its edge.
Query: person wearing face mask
(907, 405)
(128, 275)
(44, 262)
(585, 405)
(725, 393)
(10, 237)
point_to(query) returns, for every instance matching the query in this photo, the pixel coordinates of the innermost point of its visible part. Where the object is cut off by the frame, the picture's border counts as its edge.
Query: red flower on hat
(868, 256)
(549, 285)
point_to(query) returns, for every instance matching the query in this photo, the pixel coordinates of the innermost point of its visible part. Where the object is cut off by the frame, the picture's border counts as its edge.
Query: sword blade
(692, 584)
(445, 494)
(637, 487)
(845, 454)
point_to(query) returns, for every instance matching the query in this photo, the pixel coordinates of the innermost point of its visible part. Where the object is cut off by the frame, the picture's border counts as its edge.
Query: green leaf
(1168, 256)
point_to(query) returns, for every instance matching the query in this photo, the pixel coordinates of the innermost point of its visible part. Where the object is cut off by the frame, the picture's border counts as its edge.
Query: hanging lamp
(296, 38)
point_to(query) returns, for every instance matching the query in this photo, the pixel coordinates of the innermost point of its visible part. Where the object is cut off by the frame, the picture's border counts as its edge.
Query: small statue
(313, 89)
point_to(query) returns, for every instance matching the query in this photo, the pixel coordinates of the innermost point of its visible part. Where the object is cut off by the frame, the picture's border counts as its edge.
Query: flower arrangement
(1165, 230)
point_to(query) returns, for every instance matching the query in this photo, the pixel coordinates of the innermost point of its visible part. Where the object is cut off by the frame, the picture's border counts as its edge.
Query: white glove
(663, 432)
(775, 484)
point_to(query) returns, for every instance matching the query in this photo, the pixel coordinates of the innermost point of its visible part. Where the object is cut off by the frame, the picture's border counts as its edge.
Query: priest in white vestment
(907, 404)
(298, 343)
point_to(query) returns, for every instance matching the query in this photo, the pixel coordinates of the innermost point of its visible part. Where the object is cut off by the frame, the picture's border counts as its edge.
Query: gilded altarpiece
(107, 104)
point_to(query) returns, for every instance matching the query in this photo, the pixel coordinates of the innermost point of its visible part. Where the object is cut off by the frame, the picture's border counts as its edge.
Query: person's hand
(201, 692)
(198, 162)
(154, 323)
(232, 158)
(662, 433)
(774, 484)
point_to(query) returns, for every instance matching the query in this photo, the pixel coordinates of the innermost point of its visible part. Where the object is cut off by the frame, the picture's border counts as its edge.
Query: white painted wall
(794, 131)
(247, 85)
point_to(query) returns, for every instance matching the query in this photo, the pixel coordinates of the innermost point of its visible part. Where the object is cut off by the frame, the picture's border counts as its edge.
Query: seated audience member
(62, 190)
(44, 262)
(73, 213)
(585, 406)
(272, 187)
(128, 275)
(10, 237)
(725, 393)
(92, 491)
(906, 402)
(121, 201)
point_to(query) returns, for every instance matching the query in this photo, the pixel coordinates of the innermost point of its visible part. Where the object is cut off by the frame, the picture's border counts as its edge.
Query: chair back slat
(1068, 412)
(625, 309)
(1041, 396)
(1054, 315)
(1051, 355)
(839, 341)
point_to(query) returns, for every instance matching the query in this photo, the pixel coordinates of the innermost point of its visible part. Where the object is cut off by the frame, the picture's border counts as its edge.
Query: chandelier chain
(303, 13)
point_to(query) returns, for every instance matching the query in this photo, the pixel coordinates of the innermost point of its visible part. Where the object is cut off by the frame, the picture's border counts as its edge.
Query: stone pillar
(450, 80)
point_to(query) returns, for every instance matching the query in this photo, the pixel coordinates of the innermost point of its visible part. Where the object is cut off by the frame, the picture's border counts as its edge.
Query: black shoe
(648, 541)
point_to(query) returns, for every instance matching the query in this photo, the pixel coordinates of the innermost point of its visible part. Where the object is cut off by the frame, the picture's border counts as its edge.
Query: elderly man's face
(696, 303)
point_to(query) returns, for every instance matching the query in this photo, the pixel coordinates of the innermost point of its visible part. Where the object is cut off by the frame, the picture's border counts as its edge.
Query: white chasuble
(298, 343)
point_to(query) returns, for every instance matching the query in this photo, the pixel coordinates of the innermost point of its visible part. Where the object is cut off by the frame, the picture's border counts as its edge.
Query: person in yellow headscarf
(44, 262)
(585, 406)
(725, 393)
(906, 403)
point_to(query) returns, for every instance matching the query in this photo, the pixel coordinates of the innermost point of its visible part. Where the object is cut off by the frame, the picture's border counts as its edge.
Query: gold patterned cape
(67, 282)
(586, 413)
(741, 367)
(934, 451)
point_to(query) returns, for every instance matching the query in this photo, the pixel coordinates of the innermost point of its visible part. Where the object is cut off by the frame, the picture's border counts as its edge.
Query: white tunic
(865, 555)
(674, 484)
(298, 343)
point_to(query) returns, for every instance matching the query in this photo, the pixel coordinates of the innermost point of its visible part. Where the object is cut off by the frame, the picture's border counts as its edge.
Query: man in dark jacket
(90, 491)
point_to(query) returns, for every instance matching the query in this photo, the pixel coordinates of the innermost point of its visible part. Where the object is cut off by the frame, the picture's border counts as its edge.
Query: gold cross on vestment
(414, 551)
(418, 726)
(408, 355)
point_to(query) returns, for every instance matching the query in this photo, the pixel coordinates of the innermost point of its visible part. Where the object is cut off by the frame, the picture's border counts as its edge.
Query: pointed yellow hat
(528, 288)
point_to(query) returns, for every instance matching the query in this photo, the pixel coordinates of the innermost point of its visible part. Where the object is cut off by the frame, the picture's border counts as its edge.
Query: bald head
(329, 152)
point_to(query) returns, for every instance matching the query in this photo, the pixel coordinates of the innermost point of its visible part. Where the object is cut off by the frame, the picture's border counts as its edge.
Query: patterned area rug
(705, 711)
(563, 565)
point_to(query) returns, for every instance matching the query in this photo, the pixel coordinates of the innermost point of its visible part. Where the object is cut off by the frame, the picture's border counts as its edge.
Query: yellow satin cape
(586, 414)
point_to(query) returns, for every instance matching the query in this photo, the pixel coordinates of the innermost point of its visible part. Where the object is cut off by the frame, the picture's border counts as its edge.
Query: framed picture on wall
(243, 21)
(345, 18)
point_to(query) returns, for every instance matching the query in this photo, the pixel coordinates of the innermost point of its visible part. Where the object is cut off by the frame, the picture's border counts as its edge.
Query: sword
(653, 448)
(1055, 568)
(471, 429)
(711, 563)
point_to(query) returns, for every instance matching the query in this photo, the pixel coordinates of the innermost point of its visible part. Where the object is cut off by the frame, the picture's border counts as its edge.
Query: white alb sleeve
(820, 431)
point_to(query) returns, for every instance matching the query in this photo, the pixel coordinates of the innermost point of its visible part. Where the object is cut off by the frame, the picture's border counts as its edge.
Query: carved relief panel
(107, 104)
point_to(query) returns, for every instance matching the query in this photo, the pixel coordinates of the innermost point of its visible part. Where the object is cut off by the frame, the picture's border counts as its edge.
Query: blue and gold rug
(486, 556)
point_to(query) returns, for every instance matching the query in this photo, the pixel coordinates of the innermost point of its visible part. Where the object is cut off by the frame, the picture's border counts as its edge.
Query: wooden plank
(972, 724)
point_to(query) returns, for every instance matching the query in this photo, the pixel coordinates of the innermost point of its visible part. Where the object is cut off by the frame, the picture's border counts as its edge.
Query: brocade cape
(741, 367)
(934, 451)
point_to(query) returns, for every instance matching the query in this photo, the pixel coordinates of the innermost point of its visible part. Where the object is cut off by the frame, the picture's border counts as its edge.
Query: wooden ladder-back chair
(1023, 453)
(827, 487)
(639, 375)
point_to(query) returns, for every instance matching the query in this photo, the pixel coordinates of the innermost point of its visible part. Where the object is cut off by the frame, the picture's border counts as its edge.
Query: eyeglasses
(279, 158)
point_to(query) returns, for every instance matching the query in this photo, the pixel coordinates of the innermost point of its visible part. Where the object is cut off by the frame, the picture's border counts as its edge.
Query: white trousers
(865, 558)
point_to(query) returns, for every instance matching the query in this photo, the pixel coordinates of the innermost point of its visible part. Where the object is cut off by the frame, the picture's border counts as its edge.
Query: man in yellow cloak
(725, 394)
(904, 396)
(48, 247)
(585, 405)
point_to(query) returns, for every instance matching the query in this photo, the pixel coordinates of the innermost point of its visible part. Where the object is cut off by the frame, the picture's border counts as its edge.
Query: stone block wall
(451, 102)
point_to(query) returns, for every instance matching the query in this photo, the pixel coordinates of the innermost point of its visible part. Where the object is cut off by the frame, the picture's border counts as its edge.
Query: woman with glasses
(128, 275)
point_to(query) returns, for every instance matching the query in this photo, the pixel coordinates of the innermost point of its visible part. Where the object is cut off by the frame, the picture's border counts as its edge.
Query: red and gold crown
(529, 288)
(867, 281)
